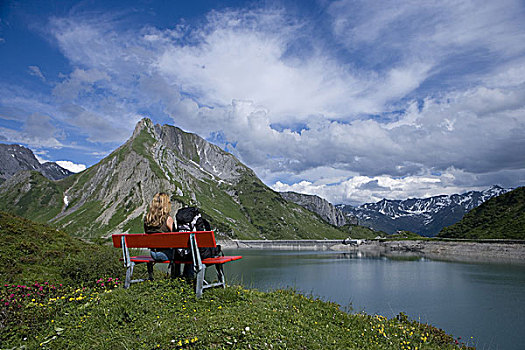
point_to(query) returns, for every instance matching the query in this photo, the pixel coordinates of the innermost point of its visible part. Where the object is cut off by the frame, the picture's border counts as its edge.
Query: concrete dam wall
(495, 251)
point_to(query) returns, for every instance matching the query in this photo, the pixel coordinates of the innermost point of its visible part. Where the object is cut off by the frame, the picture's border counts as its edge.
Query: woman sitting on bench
(158, 219)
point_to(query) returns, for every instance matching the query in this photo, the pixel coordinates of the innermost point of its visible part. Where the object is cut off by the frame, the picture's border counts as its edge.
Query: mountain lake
(483, 303)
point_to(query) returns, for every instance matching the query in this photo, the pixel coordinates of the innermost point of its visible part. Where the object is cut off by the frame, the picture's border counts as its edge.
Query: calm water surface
(482, 301)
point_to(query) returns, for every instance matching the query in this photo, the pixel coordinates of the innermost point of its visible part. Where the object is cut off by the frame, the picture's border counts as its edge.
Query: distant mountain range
(426, 216)
(15, 158)
(114, 194)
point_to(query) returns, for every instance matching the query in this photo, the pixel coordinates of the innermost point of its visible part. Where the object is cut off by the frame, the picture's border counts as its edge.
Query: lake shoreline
(461, 251)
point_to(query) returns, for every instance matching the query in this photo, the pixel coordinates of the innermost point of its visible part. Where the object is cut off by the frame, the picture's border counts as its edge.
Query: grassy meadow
(59, 292)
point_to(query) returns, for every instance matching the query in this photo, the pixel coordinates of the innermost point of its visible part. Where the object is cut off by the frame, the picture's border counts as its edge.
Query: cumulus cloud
(75, 168)
(413, 99)
(37, 131)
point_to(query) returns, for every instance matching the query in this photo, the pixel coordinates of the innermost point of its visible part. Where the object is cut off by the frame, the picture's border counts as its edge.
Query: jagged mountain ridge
(321, 206)
(426, 216)
(15, 158)
(113, 195)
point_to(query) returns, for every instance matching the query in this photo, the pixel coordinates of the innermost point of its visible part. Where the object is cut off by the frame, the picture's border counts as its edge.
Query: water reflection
(378, 255)
(484, 301)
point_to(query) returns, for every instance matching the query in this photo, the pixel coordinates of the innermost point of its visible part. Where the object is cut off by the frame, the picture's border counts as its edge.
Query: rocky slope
(325, 209)
(113, 195)
(426, 216)
(15, 158)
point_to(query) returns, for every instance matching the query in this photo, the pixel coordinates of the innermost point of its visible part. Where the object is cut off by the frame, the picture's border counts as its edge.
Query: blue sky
(354, 101)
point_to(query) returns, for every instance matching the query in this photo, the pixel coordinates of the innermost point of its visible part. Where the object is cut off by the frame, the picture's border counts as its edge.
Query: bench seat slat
(221, 259)
(208, 261)
(205, 239)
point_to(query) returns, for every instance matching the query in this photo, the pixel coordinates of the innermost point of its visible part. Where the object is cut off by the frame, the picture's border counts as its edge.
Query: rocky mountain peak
(143, 124)
(114, 194)
(15, 158)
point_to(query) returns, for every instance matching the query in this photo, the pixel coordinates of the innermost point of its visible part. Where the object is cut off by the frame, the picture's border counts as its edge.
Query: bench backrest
(205, 239)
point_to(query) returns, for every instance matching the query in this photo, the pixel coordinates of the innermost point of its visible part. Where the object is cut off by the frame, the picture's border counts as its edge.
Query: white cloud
(75, 168)
(412, 89)
(365, 189)
(242, 60)
(37, 131)
(38, 156)
(434, 31)
(35, 71)
(66, 164)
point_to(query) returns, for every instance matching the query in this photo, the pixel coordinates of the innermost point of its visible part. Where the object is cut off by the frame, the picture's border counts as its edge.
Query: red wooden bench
(188, 240)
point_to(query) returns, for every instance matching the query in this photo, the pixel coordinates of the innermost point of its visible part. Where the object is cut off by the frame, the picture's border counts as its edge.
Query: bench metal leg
(220, 274)
(150, 271)
(129, 273)
(200, 282)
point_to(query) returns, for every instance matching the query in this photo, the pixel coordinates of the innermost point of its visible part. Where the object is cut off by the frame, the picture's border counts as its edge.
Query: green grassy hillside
(361, 232)
(34, 196)
(32, 251)
(501, 217)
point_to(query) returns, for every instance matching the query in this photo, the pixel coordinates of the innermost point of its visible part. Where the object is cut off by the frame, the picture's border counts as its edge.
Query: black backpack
(189, 219)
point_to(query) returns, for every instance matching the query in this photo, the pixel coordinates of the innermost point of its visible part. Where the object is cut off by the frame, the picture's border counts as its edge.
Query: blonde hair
(159, 210)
